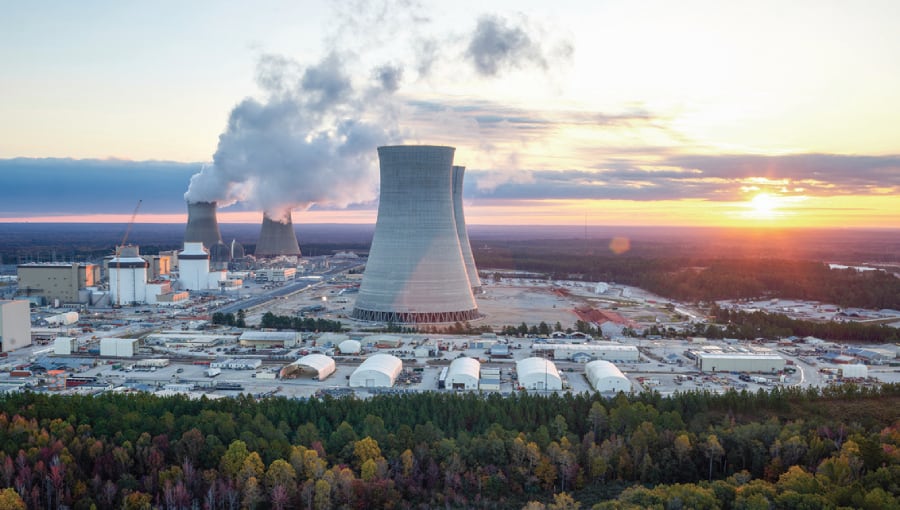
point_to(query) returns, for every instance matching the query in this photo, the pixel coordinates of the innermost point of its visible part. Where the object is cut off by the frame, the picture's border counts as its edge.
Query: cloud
(62, 186)
(497, 44)
(704, 177)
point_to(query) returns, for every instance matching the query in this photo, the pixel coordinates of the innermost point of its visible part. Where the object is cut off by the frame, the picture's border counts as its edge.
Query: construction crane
(119, 249)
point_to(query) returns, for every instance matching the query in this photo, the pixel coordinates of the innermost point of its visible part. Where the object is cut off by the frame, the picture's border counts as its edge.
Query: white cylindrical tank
(462, 232)
(128, 277)
(415, 272)
(193, 267)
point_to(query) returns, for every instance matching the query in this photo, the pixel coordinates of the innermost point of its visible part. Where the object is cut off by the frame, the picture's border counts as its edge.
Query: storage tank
(277, 237)
(193, 266)
(202, 225)
(415, 272)
(462, 232)
(128, 277)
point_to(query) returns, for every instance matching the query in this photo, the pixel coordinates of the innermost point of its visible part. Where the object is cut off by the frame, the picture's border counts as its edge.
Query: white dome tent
(463, 374)
(317, 366)
(606, 377)
(378, 371)
(350, 347)
(538, 374)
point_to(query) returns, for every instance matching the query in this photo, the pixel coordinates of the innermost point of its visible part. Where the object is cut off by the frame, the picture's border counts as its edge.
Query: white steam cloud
(311, 140)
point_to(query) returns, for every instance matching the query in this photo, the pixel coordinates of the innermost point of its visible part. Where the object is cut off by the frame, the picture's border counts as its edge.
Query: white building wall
(538, 374)
(606, 377)
(64, 345)
(15, 325)
(464, 373)
(739, 363)
(378, 371)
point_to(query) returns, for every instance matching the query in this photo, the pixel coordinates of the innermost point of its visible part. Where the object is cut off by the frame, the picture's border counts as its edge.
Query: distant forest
(833, 448)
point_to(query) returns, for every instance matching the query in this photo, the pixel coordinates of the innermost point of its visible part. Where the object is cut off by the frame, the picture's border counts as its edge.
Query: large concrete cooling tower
(415, 272)
(460, 218)
(277, 238)
(202, 225)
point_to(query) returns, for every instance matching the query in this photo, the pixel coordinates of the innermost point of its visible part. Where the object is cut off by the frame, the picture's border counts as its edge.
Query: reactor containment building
(416, 271)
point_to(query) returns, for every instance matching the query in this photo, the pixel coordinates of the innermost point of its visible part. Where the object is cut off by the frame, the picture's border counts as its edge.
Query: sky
(695, 113)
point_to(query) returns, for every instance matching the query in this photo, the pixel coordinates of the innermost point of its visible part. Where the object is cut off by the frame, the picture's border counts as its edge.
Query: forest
(837, 447)
(697, 278)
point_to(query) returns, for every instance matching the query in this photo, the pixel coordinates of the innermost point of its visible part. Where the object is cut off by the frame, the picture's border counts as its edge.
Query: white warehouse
(378, 371)
(606, 377)
(739, 362)
(601, 350)
(350, 347)
(317, 366)
(538, 374)
(118, 347)
(463, 374)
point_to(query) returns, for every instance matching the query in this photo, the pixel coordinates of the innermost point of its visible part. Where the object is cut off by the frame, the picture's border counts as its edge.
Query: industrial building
(490, 379)
(269, 339)
(459, 217)
(317, 366)
(15, 324)
(62, 282)
(739, 362)
(275, 274)
(65, 345)
(463, 374)
(606, 377)
(377, 371)
(538, 374)
(415, 272)
(601, 350)
(186, 339)
(194, 270)
(237, 364)
(118, 347)
(128, 277)
(277, 237)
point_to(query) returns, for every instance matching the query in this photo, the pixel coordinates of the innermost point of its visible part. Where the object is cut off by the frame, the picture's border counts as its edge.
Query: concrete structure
(317, 366)
(128, 277)
(193, 267)
(464, 374)
(202, 225)
(606, 377)
(277, 238)
(118, 347)
(159, 265)
(269, 339)
(65, 345)
(350, 347)
(276, 274)
(604, 351)
(459, 217)
(739, 362)
(57, 281)
(377, 371)
(15, 325)
(415, 272)
(538, 374)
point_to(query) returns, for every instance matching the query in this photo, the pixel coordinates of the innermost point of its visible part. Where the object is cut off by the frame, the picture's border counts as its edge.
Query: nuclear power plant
(459, 217)
(416, 272)
(202, 225)
(277, 238)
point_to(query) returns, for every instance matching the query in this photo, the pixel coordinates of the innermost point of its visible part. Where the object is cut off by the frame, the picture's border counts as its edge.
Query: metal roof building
(600, 350)
(378, 371)
(269, 338)
(606, 377)
(538, 374)
(739, 362)
(463, 374)
(317, 366)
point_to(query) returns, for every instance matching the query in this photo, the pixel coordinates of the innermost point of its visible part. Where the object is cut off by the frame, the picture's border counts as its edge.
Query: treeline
(750, 325)
(787, 448)
(271, 321)
(697, 279)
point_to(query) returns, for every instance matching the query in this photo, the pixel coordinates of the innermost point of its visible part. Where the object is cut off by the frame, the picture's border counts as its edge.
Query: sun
(763, 206)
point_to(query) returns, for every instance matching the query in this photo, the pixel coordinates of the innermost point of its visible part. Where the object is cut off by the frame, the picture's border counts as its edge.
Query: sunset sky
(781, 114)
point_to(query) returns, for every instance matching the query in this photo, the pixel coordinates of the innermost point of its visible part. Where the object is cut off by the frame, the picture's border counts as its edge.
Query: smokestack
(459, 217)
(415, 272)
(202, 225)
(277, 238)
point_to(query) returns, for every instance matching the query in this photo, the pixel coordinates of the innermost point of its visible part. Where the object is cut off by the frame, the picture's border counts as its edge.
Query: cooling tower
(277, 238)
(202, 225)
(415, 272)
(459, 217)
